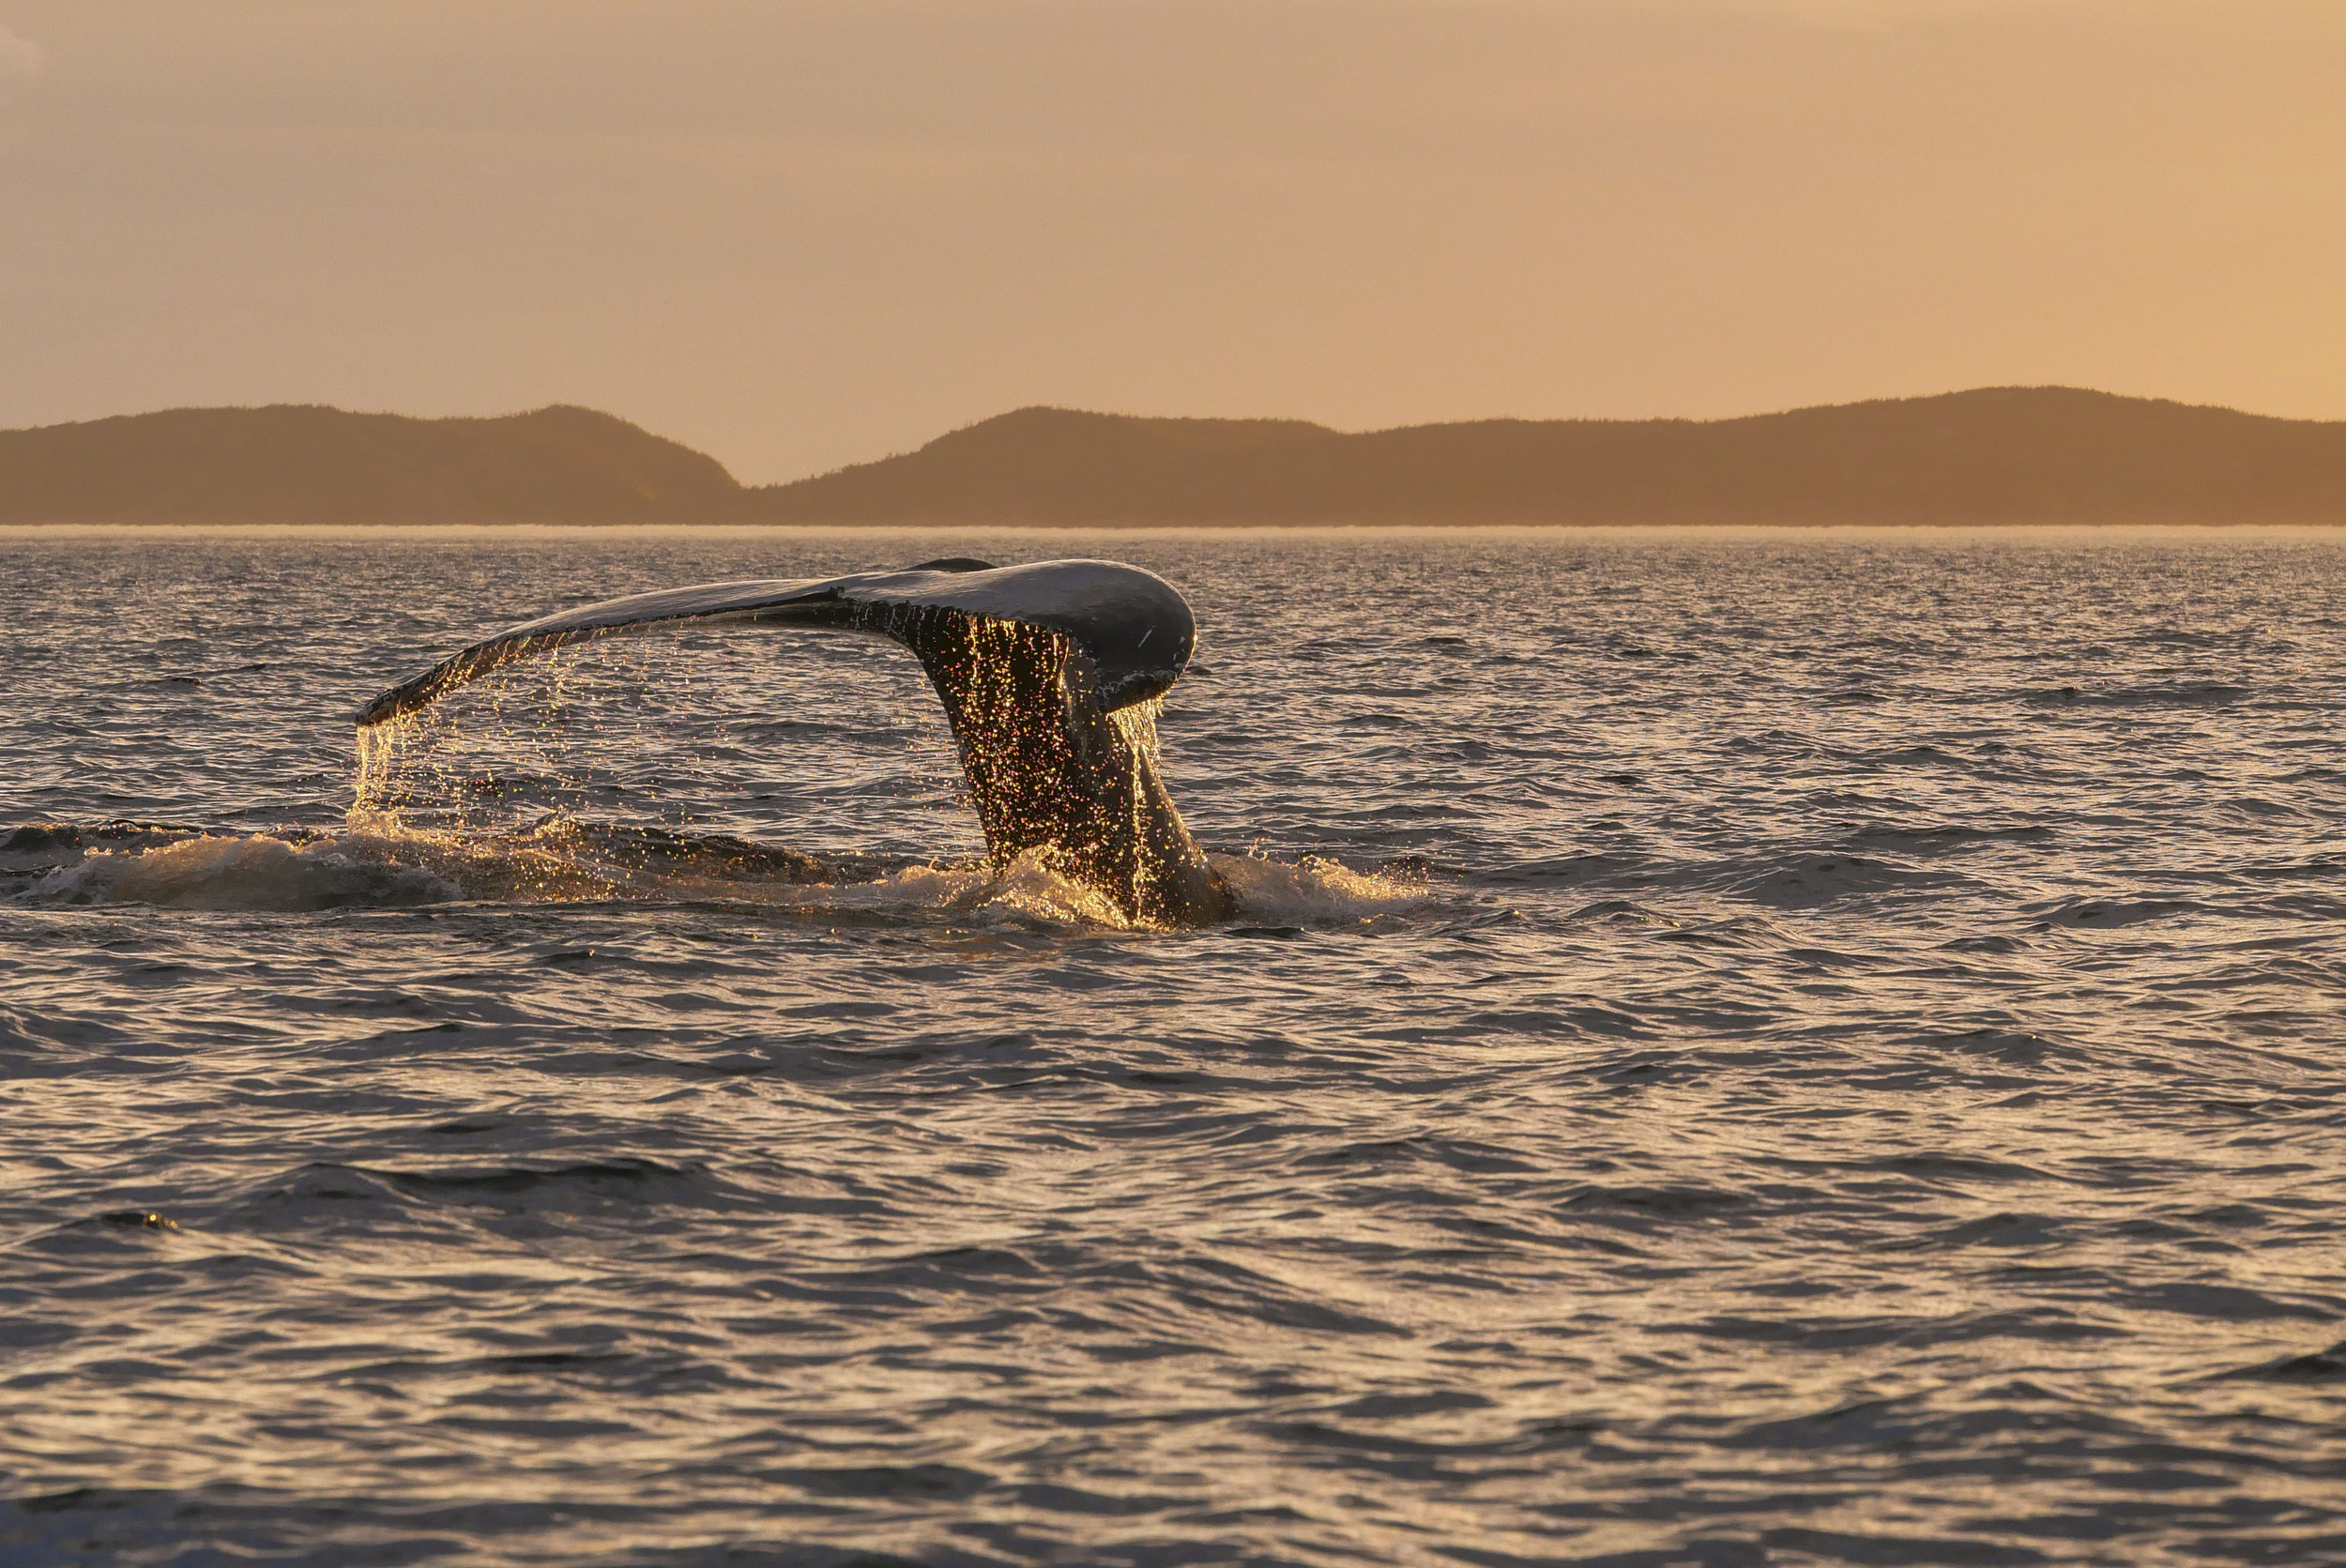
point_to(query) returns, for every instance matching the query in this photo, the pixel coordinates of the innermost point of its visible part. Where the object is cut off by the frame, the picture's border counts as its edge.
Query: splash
(371, 799)
(1031, 664)
(257, 872)
(556, 862)
(1316, 891)
(480, 801)
(1070, 799)
(1057, 737)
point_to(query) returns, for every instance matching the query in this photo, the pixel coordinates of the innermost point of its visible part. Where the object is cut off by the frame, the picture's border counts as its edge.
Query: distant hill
(292, 463)
(2008, 454)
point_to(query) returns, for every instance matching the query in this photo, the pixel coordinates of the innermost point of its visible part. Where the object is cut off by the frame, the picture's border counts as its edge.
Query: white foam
(258, 872)
(1300, 892)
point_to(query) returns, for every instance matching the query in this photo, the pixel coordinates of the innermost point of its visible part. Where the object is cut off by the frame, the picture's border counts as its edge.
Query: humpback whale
(1049, 673)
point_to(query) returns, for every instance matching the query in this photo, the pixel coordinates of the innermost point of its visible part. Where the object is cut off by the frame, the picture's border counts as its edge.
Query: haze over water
(1769, 1047)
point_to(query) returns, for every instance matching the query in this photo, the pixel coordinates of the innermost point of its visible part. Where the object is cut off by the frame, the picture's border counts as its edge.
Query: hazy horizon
(806, 234)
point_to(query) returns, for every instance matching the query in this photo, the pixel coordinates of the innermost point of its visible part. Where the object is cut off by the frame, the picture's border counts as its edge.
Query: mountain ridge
(1994, 455)
(308, 462)
(1989, 455)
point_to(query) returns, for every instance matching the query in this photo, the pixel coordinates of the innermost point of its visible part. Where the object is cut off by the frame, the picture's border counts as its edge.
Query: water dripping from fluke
(1051, 675)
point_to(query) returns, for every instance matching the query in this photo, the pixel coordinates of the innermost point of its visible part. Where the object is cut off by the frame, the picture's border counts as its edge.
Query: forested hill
(1997, 455)
(292, 463)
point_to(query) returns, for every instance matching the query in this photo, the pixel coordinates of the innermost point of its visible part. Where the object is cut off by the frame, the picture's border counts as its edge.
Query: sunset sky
(803, 233)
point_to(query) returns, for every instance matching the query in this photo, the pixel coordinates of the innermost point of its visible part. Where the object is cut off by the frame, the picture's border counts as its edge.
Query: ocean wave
(1676, 1161)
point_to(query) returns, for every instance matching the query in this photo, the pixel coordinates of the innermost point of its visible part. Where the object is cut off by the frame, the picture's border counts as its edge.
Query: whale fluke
(1044, 671)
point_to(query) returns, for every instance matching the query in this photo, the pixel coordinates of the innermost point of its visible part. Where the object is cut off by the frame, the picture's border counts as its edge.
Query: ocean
(1737, 1047)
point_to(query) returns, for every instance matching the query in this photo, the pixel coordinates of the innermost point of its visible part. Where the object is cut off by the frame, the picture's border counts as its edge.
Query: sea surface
(1739, 1048)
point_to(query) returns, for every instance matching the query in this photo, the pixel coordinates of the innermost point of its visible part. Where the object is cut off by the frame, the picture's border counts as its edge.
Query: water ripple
(1738, 1049)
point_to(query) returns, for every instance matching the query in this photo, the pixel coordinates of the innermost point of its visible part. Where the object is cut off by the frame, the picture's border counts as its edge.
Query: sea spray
(1314, 890)
(256, 872)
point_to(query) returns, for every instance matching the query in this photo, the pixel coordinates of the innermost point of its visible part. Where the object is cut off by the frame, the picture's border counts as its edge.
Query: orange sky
(803, 232)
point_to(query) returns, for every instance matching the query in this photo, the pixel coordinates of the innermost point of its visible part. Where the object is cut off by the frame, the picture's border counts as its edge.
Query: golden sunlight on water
(1730, 1048)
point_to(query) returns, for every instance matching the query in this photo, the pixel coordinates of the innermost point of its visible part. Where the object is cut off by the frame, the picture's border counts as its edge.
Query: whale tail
(1050, 675)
